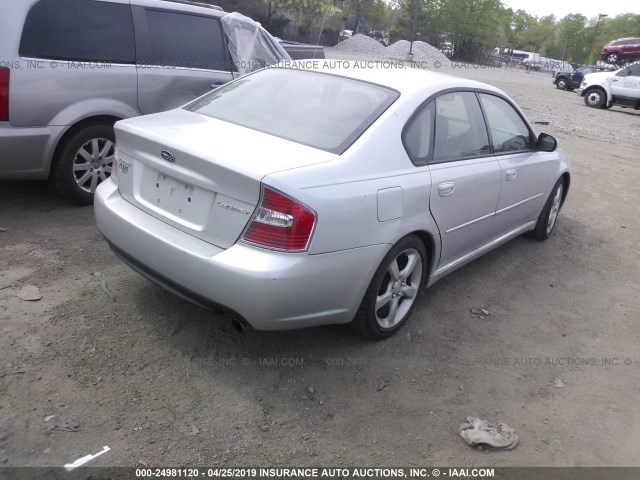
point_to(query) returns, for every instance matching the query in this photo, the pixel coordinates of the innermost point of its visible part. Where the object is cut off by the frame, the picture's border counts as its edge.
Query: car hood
(597, 77)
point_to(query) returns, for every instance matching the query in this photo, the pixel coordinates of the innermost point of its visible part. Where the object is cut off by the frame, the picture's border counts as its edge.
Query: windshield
(316, 109)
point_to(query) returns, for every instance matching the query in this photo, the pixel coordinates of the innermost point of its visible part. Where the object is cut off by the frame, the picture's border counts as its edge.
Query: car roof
(392, 74)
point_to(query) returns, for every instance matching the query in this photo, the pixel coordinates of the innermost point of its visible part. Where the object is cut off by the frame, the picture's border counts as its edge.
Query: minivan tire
(84, 161)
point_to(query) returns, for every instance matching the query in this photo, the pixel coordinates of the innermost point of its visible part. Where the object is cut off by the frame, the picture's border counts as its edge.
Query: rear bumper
(270, 290)
(25, 153)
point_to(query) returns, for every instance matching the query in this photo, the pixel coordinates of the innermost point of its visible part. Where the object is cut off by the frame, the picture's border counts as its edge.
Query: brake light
(4, 94)
(280, 222)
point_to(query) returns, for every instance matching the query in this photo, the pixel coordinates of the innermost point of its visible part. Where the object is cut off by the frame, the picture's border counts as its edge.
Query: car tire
(595, 98)
(561, 84)
(613, 58)
(549, 215)
(84, 161)
(392, 293)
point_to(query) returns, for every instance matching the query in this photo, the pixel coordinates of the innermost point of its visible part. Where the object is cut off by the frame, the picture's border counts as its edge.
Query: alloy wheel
(93, 163)
(399, 287)
(555, 208)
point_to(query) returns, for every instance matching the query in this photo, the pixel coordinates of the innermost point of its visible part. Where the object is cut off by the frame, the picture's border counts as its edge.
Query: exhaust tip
(238, 325)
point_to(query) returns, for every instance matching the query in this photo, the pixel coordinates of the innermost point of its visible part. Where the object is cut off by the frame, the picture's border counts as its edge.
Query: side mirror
(546, 143)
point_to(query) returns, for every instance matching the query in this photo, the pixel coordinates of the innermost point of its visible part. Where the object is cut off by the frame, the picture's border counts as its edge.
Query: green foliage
(474, 26)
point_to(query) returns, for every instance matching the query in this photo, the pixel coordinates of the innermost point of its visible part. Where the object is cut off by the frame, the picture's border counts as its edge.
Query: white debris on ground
(363, 45)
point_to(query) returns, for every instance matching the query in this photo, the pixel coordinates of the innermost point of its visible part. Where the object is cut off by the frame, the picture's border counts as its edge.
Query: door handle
(446, 188)
(511, 174)
(215, 85)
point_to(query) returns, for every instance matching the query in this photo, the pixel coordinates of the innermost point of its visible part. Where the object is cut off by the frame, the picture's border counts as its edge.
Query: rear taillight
(280, 222)
(4, 94)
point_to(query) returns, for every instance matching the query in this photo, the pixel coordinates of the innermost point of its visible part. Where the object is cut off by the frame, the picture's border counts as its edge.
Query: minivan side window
(79, 30)
(460, 130)
(183, 40)
(509, 133)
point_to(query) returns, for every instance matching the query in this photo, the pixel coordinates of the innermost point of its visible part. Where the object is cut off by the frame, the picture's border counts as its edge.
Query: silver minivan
(69, 69)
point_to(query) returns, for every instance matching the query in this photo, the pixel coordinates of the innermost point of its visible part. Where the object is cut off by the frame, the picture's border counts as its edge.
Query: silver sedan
(316, 194)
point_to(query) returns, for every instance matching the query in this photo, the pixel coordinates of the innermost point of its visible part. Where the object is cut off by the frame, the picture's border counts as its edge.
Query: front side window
(183, 40)
(320, 110)
(509, 132)
(634, 71)
(460, 131)
(79, 30)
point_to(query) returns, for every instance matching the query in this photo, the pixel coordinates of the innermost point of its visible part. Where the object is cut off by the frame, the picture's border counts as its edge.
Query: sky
(588, 8)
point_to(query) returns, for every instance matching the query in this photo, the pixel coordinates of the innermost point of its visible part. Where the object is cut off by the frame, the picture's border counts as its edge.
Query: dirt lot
(162, 382)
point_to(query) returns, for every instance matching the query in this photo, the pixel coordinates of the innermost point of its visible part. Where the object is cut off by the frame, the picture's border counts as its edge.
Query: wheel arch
(566, 176)
(430, 246)
(597, 87)
(75, 128)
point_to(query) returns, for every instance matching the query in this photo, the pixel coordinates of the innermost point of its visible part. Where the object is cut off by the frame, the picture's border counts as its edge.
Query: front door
(523, 170)
(626, 83)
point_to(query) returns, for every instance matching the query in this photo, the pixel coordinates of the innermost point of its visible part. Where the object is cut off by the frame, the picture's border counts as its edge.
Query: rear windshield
(323, 111)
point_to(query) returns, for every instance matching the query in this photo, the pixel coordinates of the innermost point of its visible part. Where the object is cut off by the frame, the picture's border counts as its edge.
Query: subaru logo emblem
(168, 156)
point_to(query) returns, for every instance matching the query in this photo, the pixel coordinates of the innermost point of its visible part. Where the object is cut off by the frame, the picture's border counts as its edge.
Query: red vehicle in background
(622, 50)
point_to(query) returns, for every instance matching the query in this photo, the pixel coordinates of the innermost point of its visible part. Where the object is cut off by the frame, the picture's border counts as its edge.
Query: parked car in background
(572, 80)
(603, 90)
(532, 61)
(299, 51)
(344, 34)
(66, 78)
(621, 50)
(305, 196)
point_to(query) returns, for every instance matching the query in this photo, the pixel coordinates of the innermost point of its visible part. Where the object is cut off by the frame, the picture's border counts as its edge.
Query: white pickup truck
(605, 89)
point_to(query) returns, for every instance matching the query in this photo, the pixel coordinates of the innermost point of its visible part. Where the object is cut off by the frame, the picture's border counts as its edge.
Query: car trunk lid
(200, 174)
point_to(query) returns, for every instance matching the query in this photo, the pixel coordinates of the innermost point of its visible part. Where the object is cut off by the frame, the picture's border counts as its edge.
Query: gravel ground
(422, 52)
(162, 382)
(363, 45)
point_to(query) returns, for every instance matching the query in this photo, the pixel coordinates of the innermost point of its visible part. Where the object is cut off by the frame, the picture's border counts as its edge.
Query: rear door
(634, 47)
(180, 56)
(630, 48)
(524, 171)
(465, 177)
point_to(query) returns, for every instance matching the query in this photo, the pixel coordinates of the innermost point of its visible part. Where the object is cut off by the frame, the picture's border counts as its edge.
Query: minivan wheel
(549, 215)
(612, 58)
(594, 98)
(85, 161)
(391, 296)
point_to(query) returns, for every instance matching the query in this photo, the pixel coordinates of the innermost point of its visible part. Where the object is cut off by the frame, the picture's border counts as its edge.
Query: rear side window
(79, 30)
(182, 40)
(509, 133)
(418, 134)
